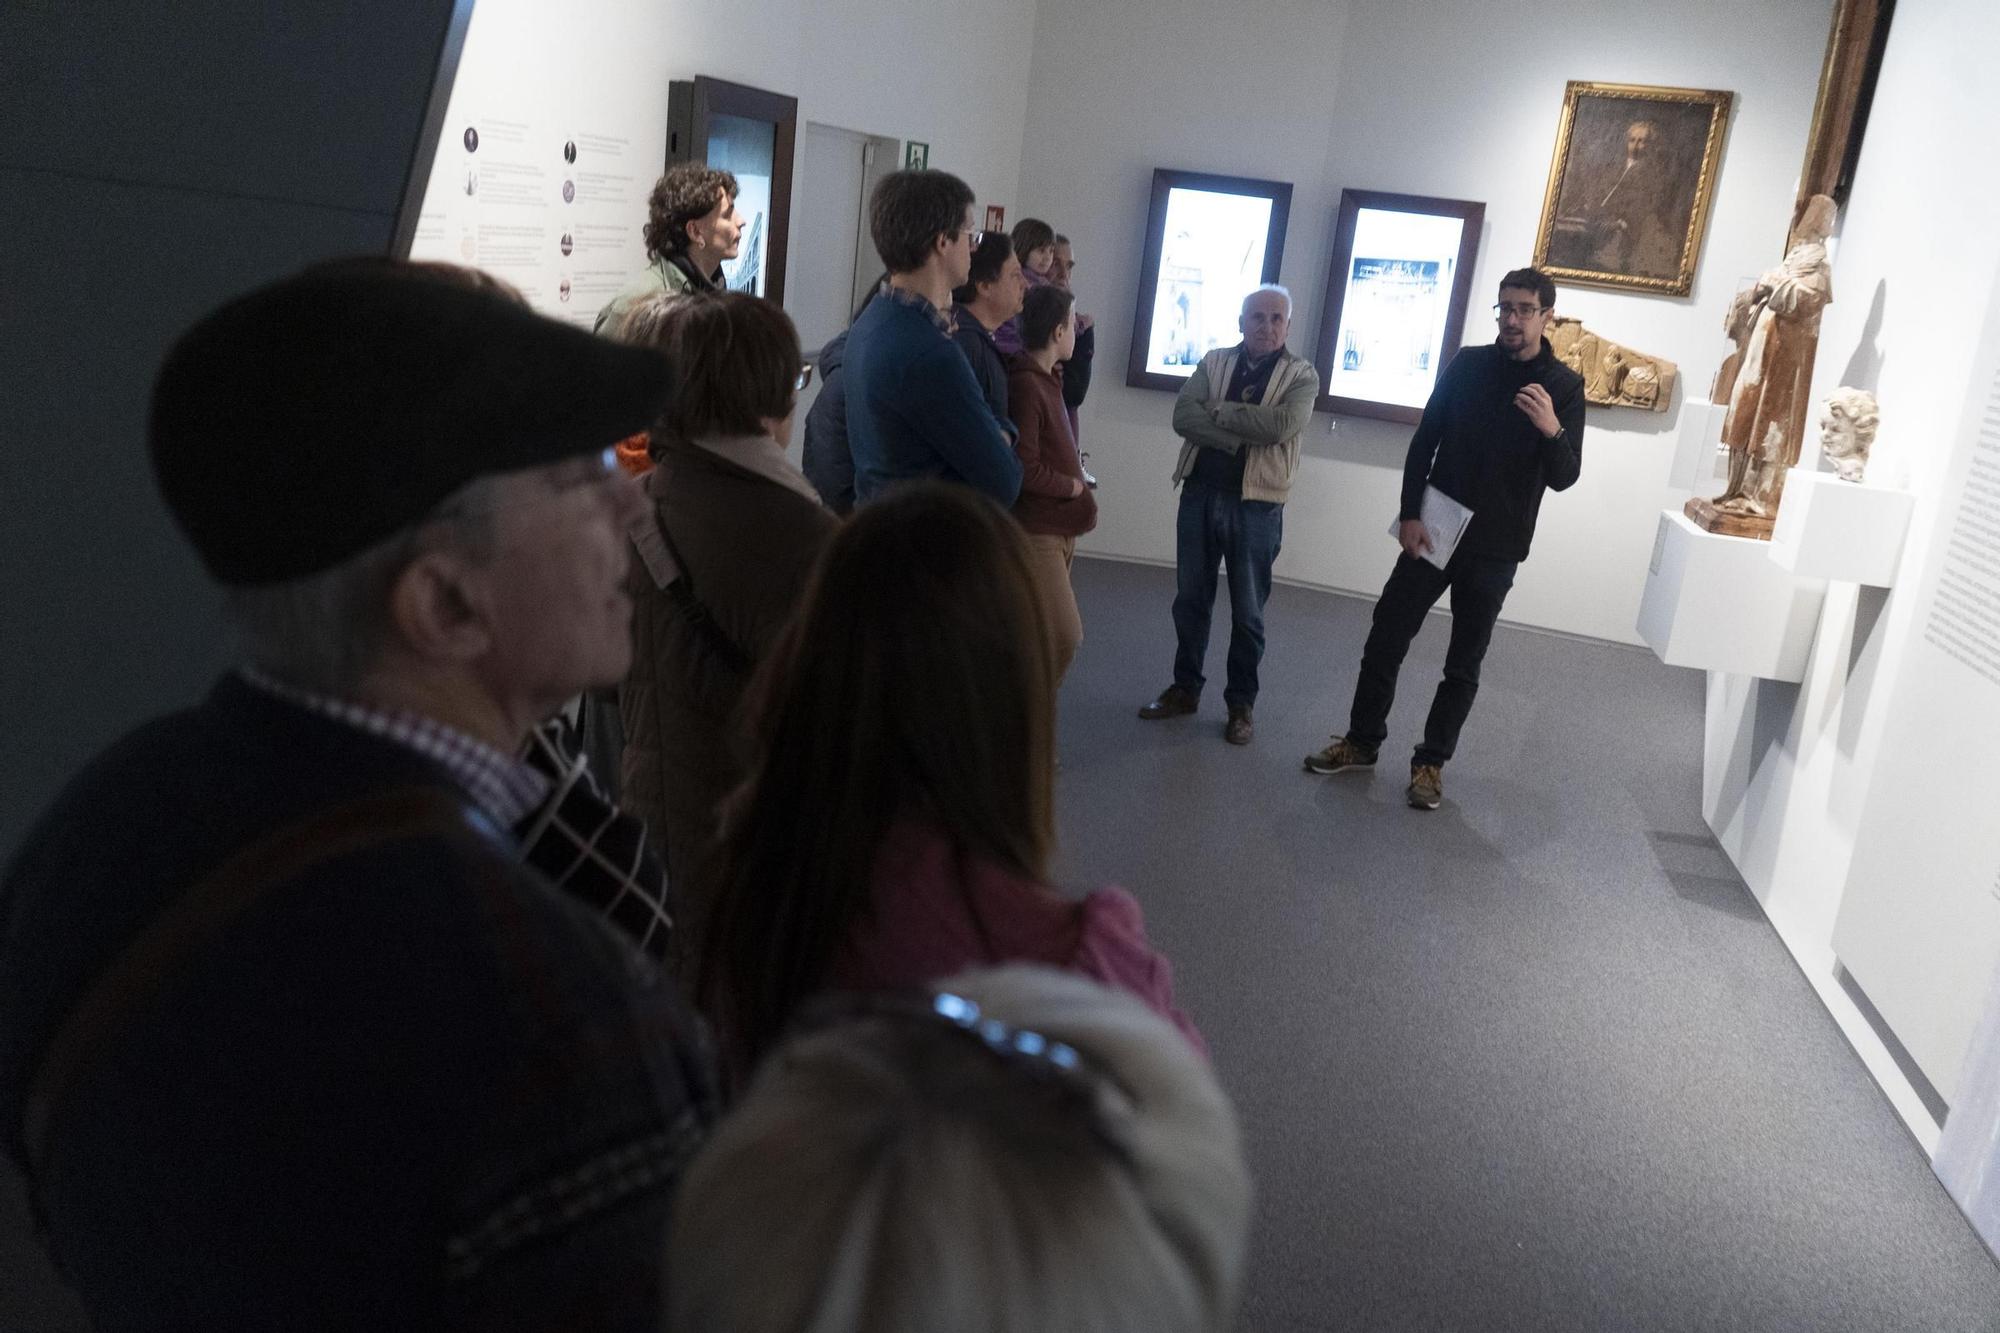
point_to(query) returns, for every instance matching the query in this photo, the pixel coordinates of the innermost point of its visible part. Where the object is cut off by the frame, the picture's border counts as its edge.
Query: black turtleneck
(1481, 450)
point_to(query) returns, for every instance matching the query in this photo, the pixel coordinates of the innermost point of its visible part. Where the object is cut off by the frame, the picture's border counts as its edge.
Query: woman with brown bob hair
(735, 531)
(896, 825)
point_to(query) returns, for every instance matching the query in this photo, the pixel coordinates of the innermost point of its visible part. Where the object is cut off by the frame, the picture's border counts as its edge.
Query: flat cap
(303, 423)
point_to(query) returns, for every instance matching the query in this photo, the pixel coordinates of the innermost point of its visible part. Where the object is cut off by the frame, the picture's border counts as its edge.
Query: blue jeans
(1243, 535)
(1478, 587)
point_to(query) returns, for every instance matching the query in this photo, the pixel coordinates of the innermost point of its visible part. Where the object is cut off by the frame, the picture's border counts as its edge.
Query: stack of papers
(1444, 521)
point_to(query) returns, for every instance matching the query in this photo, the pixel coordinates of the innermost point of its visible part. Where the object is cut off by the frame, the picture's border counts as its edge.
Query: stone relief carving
(1613, 375)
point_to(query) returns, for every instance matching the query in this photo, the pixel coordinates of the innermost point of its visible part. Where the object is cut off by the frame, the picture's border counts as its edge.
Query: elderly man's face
(1266, 322)
(1638, 140)
(1061, 265)
(552, 594)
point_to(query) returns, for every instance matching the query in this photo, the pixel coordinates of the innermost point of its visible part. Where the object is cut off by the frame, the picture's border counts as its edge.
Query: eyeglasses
(1100, 1098)
(1518, 311)
(805, 377)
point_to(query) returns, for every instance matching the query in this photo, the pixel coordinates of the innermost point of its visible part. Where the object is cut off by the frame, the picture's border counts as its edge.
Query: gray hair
(326, 631)
(1277, 287)
(890, 1176)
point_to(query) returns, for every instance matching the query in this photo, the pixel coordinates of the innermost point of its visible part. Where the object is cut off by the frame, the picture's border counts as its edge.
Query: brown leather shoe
(1239, 729)
(1173, 702)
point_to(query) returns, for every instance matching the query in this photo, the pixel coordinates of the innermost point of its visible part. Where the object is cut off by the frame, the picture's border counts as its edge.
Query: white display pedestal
(1841, 531)
(1722, 604)
(1698, 456)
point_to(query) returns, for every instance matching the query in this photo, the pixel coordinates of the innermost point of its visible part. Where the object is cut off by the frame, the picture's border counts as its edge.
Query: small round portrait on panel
(569, 151)
(567, 245)
(569, 192)
(562, 290)
(472, 182)
(471, 139)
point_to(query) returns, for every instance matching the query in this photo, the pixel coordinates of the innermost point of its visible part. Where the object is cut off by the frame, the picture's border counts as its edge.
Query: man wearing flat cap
(288, 1034)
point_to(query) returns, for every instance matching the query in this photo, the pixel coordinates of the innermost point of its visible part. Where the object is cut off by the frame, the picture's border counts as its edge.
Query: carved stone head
(1847, 431)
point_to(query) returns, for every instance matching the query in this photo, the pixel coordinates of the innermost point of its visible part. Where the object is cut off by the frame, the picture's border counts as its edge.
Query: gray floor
(1532, 1061)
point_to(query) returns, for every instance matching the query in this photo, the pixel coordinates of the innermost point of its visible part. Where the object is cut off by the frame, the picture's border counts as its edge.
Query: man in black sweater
(1504, 423)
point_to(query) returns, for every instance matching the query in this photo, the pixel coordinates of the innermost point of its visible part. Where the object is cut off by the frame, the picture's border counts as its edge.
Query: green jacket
(1269, 429)
(662, 275)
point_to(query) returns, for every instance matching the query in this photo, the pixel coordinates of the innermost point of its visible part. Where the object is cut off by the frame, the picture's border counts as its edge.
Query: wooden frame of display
(1165, 182)
(692, 106)
(1471, 217)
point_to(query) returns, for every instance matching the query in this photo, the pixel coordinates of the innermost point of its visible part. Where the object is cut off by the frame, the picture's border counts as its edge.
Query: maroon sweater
(1049, 461)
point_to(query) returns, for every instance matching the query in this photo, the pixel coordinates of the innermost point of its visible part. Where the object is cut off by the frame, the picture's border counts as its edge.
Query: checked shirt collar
(921, 304)
(504, 787)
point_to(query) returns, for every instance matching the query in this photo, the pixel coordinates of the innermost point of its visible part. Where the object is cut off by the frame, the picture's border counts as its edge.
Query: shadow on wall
(1770, 706)
(1864, 368)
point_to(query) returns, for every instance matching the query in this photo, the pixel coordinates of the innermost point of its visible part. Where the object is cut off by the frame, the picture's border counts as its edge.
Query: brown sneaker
(1173, 702)
(1426, 786)
(1339, 757)
(1239, 729)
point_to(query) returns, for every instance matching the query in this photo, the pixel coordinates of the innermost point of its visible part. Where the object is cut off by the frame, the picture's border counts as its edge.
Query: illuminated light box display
(1396, 295)
(1210, 242)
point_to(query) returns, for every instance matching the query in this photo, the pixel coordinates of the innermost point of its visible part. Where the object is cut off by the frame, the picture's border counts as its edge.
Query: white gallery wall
(1458, 99)
(1790, 769)
(952, 74)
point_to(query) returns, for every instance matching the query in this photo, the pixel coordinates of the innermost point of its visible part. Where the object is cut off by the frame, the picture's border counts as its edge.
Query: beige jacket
(1269, 429)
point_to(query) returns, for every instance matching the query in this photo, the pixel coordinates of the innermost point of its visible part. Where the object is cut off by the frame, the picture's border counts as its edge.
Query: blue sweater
(915, 410)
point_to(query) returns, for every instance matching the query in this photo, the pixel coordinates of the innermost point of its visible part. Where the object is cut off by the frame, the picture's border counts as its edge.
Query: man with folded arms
(1504, 423)
(1239, 416)
(288, 1034)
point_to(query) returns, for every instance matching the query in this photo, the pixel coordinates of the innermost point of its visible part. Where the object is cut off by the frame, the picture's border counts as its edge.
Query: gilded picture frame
(1630, 185)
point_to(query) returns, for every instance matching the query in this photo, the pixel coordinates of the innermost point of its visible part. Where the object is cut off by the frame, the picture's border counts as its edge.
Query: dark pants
(1478, 588)
(1244, 536)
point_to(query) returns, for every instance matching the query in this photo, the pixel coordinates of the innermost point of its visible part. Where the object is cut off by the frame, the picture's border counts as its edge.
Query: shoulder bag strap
(680, 591)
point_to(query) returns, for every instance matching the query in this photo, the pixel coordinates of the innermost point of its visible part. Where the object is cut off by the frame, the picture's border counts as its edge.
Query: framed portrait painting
(1396, 294)
(1210, 242)
(1630, 185)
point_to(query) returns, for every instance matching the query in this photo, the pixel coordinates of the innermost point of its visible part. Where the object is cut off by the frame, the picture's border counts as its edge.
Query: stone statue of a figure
(1766, 422)
(1847, 431)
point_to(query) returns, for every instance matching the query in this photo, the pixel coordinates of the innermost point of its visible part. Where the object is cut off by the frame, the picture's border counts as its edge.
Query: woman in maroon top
(896, 826)
(1055, 507)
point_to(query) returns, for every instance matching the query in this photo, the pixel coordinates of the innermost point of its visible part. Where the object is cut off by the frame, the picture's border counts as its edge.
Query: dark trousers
(1478, 588)
(1243, 536)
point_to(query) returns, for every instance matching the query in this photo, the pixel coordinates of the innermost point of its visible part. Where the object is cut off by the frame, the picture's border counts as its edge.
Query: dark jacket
(1481, 450)
(370, 1096)
(827, 461)
(747, 543)
(989, 368)
(1076, 370)
(1049, 461)
(914, 409)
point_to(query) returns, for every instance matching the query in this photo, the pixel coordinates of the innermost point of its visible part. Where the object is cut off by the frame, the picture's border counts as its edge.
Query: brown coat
(747, 543)
(1049, 461)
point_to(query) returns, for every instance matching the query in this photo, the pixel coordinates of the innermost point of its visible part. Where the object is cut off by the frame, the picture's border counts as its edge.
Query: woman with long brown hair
(896, 825)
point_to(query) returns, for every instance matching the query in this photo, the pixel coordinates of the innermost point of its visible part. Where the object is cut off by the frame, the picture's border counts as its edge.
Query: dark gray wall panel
(313, 103)
(155, 160)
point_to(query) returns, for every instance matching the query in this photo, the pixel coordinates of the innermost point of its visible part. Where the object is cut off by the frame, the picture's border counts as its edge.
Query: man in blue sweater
(914, 408)
(1504, 424)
